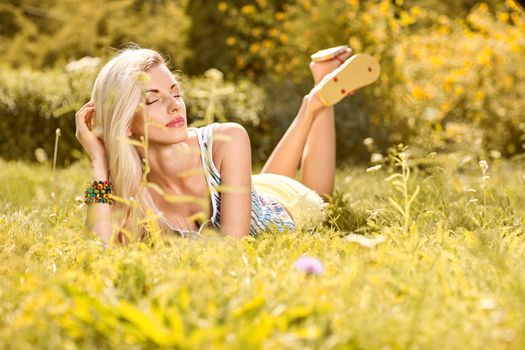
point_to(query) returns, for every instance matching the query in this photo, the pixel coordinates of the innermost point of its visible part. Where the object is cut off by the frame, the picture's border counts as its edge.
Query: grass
(448, 274)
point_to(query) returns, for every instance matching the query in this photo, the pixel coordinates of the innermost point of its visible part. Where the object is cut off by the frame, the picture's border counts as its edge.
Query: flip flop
(357, 71)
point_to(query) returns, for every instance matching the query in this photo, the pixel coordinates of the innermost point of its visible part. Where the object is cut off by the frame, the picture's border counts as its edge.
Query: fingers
(84, 116)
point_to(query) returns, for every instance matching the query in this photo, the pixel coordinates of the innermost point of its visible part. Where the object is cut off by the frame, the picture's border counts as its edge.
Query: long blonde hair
(117, 94)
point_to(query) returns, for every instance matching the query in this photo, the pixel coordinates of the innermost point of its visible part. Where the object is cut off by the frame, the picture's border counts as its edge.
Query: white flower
(374, 168)
(368, 141)
(376, 157)
(483, 165)
(83, 64)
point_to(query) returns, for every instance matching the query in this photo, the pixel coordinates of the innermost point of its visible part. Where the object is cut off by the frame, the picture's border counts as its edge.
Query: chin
(168, 136)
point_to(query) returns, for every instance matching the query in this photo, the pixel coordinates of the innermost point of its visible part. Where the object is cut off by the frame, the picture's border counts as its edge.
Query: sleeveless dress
(278, 202)
(267, 214)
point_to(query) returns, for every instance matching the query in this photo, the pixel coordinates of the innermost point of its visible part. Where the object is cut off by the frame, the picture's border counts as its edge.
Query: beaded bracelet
(98, 192)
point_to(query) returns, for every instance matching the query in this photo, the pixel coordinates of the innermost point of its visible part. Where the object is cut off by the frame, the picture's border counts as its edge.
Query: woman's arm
(98, 217)
(232, 155)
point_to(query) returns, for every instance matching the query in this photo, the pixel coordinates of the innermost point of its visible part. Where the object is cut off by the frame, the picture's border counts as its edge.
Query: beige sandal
(357, 71)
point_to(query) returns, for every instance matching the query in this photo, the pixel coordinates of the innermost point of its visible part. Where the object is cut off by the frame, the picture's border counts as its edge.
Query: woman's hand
(93, 145)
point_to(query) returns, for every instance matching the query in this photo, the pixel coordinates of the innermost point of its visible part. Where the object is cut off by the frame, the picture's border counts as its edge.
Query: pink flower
(309, 265)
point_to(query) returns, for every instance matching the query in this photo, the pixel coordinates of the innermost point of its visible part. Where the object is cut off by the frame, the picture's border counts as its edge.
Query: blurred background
(453, 72)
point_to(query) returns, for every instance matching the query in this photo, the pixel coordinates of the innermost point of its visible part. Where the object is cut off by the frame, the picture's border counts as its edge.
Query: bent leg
(287, 155)
(318, 158)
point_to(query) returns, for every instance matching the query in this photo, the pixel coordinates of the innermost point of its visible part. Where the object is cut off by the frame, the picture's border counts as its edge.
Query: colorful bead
(98, 192)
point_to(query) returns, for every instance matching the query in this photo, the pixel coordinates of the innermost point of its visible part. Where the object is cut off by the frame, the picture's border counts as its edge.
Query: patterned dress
(267, 214)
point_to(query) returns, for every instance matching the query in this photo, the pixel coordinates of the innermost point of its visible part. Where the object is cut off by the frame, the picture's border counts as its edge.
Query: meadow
(422, 245)
(420, 253)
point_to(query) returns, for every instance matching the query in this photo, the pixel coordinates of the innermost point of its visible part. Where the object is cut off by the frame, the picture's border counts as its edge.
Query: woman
(196, 173)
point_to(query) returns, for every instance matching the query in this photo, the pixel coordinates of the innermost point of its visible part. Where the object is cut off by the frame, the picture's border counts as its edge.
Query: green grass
(452, 278)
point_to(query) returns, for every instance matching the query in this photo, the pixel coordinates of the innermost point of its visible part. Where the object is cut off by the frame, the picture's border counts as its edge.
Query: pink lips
(176, 123)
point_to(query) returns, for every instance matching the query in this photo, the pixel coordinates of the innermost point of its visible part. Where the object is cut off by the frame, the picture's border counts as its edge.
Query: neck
(169, 163)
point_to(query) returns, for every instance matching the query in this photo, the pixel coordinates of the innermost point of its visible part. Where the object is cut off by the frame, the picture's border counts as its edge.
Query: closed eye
(178, 95)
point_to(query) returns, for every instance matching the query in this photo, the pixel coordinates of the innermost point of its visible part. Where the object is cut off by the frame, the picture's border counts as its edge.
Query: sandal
(357, 71)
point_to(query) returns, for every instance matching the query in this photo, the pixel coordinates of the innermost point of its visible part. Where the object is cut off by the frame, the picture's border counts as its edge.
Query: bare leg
(287, 155)
(310, 140)
(318, 158)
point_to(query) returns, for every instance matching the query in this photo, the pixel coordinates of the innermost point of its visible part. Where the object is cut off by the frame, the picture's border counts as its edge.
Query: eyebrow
(157, 91)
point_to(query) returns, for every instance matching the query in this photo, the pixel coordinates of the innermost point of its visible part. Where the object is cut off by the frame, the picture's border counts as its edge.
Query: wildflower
(484, 166)
(374, 168)
(364, 241)
(222, 6)
(85, 63)
(214, 74)
(487, 303)
(248, 9)
(368, 142)
(230, 41)
(309, 265)
(376, 157)
(495, 154)
(40, 155)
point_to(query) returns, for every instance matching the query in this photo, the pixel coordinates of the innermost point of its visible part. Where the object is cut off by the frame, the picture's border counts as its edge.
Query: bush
(445, 82)
(34, 104)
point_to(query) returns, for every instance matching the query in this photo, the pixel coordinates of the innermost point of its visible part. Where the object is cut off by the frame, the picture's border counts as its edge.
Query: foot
(320, 69)
(357, 71)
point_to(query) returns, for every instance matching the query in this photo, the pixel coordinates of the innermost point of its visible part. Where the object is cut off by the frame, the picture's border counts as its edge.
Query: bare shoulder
(229, 140)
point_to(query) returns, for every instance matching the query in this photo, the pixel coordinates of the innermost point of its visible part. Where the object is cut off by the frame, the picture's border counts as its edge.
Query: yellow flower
(436, 61)
(267, 43)
(254, 48)
(479, 96)
(248, 9)
(279, 16)
(416, 11)
(256, 32)
(222, 6)
(355, 43)
(483, 8)
(407, 19)
(384, 7)
(283, 38)
(485, 56)
(354, 3)
(503, 17)
(367, 18)
(241, 63)
(419, 93)
(230, 41)
(459, 90)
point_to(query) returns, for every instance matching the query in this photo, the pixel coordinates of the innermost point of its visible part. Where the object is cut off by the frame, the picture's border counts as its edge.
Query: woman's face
(165, 111)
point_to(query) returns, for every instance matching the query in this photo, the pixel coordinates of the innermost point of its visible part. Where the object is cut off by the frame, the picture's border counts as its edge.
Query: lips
(176, 123)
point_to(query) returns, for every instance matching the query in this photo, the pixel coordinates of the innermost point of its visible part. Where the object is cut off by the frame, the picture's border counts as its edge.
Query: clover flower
(309, 265)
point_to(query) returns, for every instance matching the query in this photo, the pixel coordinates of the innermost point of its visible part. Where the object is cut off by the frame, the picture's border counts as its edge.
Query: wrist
(100, 171)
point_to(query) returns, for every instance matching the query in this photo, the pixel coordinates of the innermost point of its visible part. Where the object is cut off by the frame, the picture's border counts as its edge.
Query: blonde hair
(117, 94)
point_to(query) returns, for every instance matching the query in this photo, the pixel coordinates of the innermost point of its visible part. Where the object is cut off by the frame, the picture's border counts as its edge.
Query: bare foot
(320, 69)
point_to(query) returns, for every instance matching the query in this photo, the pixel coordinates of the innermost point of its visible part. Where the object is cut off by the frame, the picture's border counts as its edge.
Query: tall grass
(455, 281)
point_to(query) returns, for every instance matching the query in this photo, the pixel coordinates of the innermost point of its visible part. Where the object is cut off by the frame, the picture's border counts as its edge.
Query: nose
(175, 104)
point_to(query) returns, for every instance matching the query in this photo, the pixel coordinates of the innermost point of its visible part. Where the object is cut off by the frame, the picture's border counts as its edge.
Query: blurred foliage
(449, 74)
(47, 33)
(33, 104)
(447, 80)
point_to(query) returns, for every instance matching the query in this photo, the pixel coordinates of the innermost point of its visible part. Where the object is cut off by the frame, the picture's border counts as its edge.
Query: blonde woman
(196, 171)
